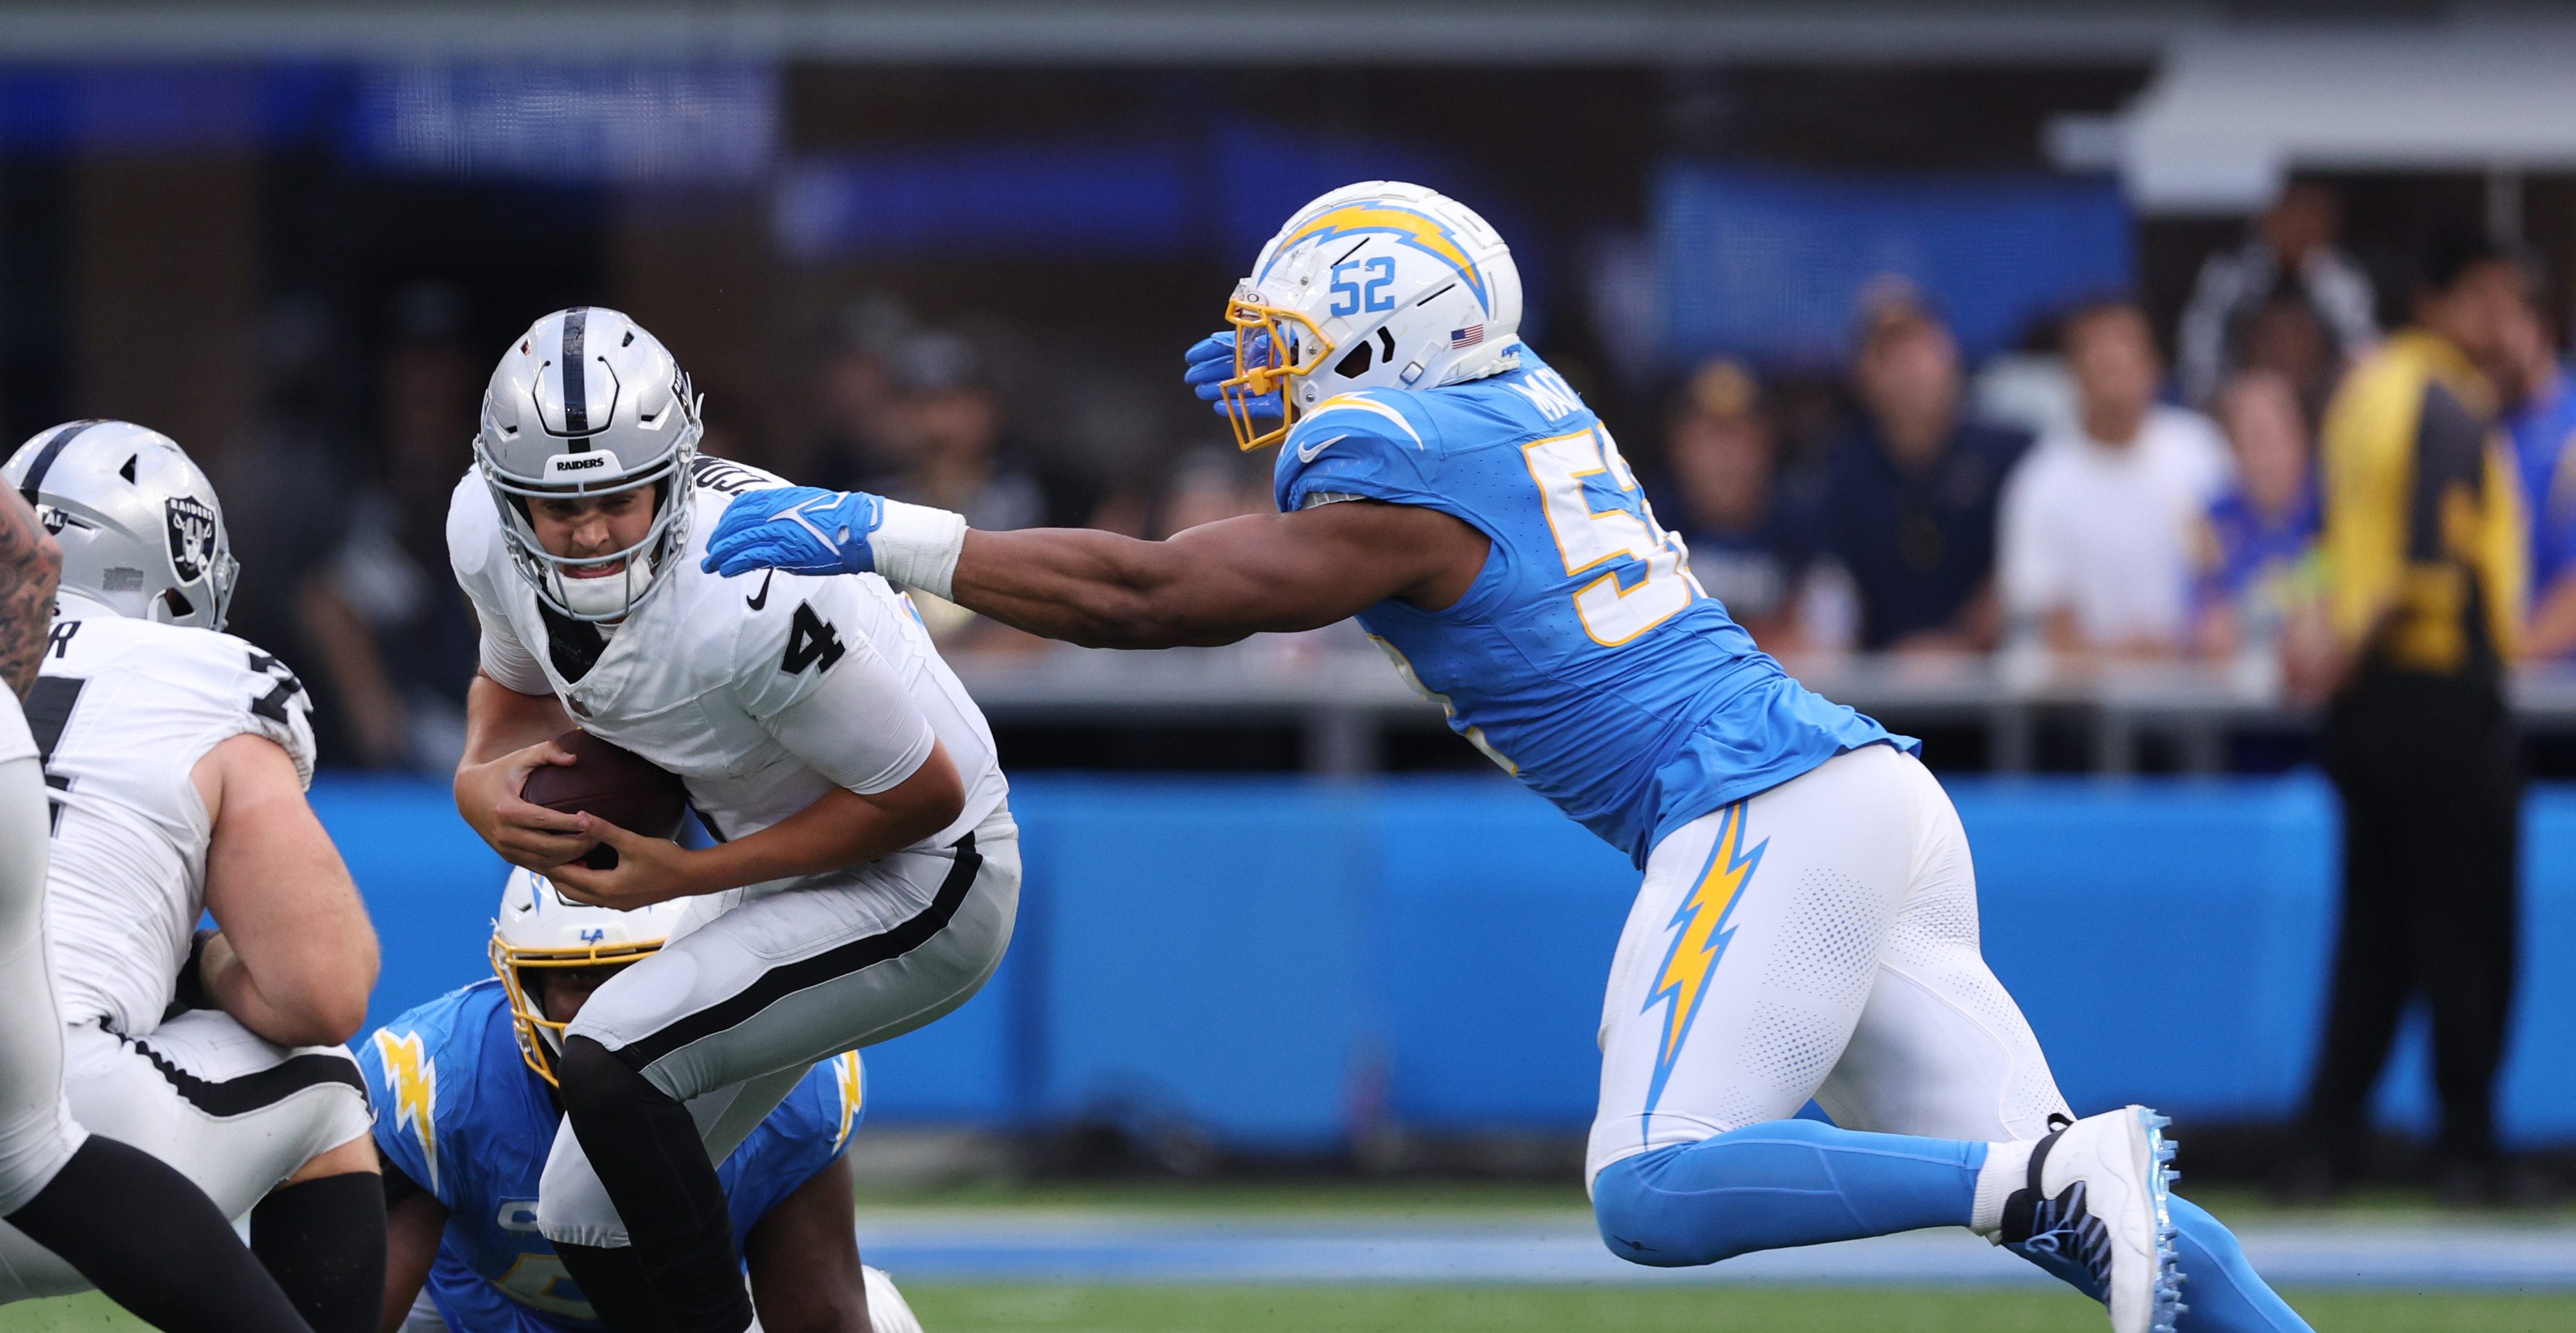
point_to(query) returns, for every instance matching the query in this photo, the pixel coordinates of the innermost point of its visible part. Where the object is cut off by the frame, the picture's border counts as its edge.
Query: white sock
(2007, 1169)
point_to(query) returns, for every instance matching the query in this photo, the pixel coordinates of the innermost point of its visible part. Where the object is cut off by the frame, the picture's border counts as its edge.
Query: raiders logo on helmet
(192, 537)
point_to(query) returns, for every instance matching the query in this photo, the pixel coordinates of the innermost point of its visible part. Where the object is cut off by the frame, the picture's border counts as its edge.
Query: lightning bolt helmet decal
(1419, 230)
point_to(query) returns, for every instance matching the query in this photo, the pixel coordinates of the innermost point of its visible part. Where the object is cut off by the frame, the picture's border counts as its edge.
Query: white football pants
(1816, 941)
(37, 1132)
(234, 1112)
(756, 985)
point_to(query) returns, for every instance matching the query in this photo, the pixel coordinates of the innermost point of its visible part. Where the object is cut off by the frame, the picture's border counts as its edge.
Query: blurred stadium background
(1297, 1030)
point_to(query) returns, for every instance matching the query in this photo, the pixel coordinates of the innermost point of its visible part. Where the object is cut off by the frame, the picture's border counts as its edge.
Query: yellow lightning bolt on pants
(1703, 919)
(1818, 941)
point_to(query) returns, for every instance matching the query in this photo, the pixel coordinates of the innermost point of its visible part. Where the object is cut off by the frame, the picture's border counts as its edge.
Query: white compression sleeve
(917, 546)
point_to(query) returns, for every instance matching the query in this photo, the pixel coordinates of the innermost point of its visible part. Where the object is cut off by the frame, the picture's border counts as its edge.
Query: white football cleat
(2095, 1213)
(887, 1312)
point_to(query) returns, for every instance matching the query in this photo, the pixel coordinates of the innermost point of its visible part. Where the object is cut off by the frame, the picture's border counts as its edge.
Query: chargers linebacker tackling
(178, 757)
(1808, 921)
(464, 1090)
(867, 871)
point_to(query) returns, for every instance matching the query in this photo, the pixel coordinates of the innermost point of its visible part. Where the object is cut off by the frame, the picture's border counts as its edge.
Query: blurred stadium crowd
(2086, 492)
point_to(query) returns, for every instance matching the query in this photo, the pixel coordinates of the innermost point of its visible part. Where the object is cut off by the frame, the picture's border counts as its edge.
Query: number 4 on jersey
(810, 641)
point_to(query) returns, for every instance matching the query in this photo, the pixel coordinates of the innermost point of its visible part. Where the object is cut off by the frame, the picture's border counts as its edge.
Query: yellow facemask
(1293, 347)
(526, 1016)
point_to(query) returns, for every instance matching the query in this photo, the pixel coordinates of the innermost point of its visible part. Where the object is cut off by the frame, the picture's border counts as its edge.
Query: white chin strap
(611, 594)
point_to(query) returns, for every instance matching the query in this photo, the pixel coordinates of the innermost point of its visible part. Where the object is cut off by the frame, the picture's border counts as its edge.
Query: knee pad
(1644, 1223)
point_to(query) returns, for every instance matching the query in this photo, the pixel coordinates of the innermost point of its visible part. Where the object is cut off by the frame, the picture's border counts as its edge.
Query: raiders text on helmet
(538, 927)
(1375, 285)
(138, 523)
(588, 403)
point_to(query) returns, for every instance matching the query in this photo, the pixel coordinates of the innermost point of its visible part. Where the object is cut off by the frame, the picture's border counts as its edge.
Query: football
(614, 783)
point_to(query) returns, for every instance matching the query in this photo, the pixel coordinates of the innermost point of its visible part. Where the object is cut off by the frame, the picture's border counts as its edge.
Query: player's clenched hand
(800, 529)
(648, 871)
(523, 833)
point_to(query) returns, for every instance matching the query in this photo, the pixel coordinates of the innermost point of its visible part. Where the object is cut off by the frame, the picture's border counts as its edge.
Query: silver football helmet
(588, 403)
(138, 523)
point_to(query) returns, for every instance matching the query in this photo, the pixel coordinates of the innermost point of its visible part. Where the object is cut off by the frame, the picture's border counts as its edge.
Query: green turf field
(1067, 1309)
(1055, 1308)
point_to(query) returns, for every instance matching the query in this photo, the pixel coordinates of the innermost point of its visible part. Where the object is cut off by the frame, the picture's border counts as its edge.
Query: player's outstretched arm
(1220, 581)
(803, 1255)
(295, 956)
(30, 563)
(1213, 584)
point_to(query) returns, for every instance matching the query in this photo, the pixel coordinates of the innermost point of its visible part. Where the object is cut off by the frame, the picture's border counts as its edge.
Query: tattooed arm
(29, 565)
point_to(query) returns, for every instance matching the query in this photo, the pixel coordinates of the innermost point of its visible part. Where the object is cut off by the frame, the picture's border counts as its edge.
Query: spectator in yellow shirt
(2425, 551)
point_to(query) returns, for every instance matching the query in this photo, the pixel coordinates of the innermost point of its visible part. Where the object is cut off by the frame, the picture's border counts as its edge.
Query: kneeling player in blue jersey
(1808, 922)
(464, 1092)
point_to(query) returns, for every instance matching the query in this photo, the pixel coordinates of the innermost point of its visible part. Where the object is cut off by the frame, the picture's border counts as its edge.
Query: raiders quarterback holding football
(866, 873)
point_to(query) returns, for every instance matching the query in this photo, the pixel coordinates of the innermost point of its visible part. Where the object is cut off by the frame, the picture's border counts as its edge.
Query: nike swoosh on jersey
(761, 598)
(1307, 455)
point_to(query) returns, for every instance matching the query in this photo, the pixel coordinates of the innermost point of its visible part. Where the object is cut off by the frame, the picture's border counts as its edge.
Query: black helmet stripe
(45, 457)
(576, 378)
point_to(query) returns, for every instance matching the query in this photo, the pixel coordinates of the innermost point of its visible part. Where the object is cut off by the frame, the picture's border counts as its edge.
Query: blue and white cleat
(2097, 1215)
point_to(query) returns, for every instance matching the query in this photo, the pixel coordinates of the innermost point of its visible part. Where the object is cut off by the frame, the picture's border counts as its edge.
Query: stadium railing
(1347, 699)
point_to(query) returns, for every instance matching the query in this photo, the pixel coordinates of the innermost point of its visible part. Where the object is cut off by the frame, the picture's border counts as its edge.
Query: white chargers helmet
(1375, 285)
(139, 525)
(538, 927)
(587, 403)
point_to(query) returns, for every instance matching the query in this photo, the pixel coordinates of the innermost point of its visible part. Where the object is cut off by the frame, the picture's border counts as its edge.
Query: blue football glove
(800, 529)
(1211, 359)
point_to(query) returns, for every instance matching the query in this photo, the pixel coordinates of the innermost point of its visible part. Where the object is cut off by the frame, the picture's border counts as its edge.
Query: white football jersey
(122, 711)
(762, 692)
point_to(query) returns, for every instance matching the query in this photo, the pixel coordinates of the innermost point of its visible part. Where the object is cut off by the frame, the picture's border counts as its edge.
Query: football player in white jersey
(177, 756)
(868, 873)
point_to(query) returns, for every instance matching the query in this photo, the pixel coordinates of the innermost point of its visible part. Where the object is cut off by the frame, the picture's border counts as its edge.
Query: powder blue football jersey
(461, 1113)
(1584, 658)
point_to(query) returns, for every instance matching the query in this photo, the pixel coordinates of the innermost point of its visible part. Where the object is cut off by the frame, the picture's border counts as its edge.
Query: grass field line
(1069, 1245)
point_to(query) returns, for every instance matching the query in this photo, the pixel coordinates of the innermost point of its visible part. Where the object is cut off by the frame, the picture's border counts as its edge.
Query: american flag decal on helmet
(1466, 337)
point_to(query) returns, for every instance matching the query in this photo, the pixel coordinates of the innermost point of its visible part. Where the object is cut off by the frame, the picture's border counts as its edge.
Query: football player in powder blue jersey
(463, 1088)
(1807, 924)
